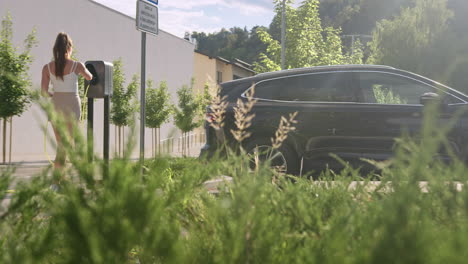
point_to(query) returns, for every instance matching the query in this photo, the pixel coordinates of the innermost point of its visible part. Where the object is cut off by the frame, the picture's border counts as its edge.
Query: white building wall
(98, 33)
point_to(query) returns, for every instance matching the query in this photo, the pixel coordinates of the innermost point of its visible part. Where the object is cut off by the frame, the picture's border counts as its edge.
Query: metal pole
(11, 138)
(90, 129)
(4, 139)
(142, 97)
(106, 136)
(283, 33)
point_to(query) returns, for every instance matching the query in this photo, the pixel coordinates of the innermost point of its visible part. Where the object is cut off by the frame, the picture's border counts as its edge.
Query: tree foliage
(235, 43)
(187, 113)
(359, 16)
(158, 105)
(427, 39)
(445, 58)
(405, 41)
(307, 42)
(205, 97)
(14, 67)
(188, 110)
(15, 95)
(124, 104)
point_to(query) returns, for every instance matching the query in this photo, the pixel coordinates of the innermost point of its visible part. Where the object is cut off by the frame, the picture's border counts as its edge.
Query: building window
(219, 77)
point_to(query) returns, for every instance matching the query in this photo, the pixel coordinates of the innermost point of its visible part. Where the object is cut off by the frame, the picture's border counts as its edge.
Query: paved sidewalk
(30, 167)
(22, 172)
(26, 169)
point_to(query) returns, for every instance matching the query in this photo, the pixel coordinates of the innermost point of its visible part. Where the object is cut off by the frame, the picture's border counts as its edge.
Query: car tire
(284, 156)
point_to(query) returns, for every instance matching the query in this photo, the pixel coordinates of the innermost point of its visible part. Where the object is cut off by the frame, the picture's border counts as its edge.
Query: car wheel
(283, 160)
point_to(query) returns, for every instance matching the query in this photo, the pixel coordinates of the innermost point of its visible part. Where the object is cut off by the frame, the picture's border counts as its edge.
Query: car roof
(288, 72)
(325, 68)
(235, 86)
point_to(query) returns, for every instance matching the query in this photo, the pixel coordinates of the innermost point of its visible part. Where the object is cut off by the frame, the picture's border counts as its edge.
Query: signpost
(147, 17)
(146, 22)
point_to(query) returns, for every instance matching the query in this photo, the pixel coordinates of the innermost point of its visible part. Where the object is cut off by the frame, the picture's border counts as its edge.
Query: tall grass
(166, 215)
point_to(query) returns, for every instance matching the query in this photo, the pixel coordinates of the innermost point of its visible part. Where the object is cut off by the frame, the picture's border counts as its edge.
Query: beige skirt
(67, 104)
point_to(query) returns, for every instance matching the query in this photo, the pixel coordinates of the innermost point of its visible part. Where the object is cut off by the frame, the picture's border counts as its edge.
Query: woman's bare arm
(45, 81)
(84, 72)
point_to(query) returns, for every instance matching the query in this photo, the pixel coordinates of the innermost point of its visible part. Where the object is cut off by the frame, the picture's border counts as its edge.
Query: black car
(353, 111)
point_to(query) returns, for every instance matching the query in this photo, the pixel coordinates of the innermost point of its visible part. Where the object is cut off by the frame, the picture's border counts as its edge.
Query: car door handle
(332, 131)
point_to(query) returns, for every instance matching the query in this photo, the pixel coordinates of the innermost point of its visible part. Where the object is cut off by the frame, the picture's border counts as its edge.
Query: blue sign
(153, 1)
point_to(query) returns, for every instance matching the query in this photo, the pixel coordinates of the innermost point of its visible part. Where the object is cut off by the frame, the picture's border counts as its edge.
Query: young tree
(205, 98)
(307, 42)
(158, 109)
(124, 102)
(116, 106)
(186, 115)
(14, 78)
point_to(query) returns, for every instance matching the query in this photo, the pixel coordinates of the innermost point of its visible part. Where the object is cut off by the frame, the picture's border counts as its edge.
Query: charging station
(100, 86)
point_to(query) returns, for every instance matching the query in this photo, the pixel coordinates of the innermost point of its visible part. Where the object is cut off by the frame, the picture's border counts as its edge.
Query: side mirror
(433, 99)
(429, 98)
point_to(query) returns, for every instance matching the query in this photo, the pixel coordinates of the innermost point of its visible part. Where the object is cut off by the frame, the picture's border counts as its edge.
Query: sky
(209, 16)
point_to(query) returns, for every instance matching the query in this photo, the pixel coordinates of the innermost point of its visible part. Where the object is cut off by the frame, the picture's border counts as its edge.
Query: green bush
(167, 216)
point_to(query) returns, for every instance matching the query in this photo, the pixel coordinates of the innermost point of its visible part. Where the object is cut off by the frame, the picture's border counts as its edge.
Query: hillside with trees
(236, 42)
(308, 43)
(429, 37)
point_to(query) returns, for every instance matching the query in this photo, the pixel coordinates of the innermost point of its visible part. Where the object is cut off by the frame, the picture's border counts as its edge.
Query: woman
(63, 74)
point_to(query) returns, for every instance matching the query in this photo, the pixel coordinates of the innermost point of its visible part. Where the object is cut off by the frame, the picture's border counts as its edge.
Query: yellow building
(215, 70)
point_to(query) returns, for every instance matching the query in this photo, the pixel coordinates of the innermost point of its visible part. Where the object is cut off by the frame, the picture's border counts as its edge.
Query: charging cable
(84, 103)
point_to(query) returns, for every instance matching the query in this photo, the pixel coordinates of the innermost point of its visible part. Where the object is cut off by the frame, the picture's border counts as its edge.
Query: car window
(322, 87)
(385, 88)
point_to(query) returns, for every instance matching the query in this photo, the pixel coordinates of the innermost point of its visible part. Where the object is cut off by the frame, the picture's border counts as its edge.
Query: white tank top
(69, 84)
